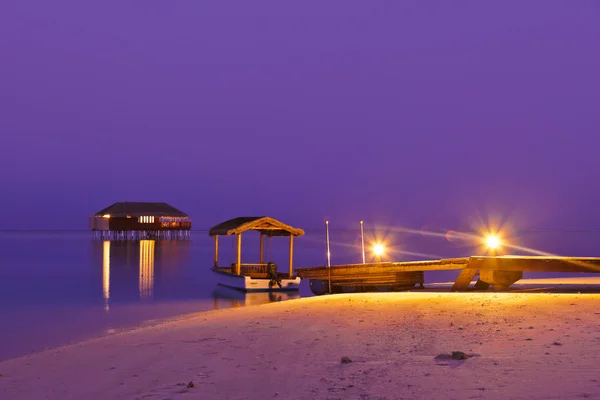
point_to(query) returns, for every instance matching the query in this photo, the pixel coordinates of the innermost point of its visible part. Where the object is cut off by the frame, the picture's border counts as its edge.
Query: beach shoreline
(522, 346)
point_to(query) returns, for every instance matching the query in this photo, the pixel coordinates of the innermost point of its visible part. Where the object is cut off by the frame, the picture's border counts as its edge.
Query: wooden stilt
(291, 271)
(261, 258)
(216, 250)
(238, 265)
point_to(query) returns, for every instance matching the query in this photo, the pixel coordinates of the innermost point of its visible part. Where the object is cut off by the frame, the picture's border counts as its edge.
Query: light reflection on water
(106, 274)
(146, 268)
(71, 287)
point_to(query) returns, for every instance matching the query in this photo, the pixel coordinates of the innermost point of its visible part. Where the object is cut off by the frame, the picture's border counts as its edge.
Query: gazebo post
(216, 250)
(291, 255)
(238, 266)
(261, 258)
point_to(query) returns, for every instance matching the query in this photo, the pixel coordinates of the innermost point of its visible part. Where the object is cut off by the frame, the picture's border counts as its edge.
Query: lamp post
(328, 256)
(362, 240)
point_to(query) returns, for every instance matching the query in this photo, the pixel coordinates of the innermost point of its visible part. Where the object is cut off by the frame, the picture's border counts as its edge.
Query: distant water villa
(140, 220)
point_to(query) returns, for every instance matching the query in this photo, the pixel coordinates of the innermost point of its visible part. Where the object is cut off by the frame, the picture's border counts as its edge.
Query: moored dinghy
(259, 276)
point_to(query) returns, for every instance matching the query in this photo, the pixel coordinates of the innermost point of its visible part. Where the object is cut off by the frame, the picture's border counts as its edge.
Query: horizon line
(564, 230)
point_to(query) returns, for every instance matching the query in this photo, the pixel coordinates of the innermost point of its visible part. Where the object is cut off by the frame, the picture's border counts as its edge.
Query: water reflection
(162, 272)
(135, 270)
(106, 274)
(224, 297)
(146, 268)
(145, 271)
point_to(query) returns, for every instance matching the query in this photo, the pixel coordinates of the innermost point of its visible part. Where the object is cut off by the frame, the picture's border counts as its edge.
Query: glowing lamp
(106, 216)
(493, 242)
(378, 249)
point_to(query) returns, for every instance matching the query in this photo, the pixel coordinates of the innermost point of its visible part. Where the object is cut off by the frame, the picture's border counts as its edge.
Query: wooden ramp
(497, 271)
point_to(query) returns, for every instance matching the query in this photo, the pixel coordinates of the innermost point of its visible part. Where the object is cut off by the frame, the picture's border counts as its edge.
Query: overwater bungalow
(140, 220)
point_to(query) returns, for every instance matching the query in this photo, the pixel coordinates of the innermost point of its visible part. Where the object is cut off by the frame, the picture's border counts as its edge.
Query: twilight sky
(421, 114)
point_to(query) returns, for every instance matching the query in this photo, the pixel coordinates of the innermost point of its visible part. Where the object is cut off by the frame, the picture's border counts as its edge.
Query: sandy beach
(520, 346)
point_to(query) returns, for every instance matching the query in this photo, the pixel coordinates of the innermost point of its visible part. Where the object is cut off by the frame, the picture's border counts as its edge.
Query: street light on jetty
(493, 242)
(378, 250)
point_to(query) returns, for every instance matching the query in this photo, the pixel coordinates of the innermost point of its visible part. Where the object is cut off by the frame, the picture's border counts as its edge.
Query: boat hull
(320, 287)
(361, 278)
(249, 284)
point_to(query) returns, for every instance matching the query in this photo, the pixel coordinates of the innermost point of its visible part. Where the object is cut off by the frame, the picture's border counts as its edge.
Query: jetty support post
(500, 280)
(216, 250)
(291, 272)
(464, 280)
(238, 265)
(261, 258)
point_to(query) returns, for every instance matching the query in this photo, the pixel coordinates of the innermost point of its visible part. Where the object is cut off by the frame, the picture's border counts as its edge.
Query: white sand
(292, 350)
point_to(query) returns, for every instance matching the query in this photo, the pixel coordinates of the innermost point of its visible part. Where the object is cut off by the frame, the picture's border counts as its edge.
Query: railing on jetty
(498, 271)
(253, 270)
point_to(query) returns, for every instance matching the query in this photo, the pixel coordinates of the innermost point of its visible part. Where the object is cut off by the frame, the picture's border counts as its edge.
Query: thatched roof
(138, 209)
(264, 225)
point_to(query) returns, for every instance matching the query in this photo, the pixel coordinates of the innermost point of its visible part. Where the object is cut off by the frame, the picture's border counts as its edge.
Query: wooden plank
(464, 279)
(536, 264)
(374, 268)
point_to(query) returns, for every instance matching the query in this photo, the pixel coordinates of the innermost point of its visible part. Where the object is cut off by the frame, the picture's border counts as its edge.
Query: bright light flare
(492, 242)
(378, 249)
(106, 216)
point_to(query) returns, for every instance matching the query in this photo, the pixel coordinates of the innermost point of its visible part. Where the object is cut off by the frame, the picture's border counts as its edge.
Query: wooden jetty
(497, 271)
(502, 271)
(140, 220)
(365, 277)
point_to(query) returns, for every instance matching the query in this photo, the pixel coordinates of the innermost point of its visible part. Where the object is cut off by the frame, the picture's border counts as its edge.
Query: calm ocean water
(60, 287)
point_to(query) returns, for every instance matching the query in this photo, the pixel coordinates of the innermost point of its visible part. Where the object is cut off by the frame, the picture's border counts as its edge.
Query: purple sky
(411, 113)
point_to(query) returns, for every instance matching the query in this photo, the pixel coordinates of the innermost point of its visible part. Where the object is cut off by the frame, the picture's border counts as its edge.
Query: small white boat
(225, 297)
(259, 276)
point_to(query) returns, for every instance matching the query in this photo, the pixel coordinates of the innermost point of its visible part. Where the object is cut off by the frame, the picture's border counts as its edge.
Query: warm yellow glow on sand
(429, 322)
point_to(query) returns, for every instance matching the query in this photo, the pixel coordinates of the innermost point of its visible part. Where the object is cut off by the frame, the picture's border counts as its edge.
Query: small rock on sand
(346, 360)
(459, 355)
(456, 355)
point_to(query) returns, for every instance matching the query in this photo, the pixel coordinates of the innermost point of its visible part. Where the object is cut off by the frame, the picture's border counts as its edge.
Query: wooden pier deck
(497, 271)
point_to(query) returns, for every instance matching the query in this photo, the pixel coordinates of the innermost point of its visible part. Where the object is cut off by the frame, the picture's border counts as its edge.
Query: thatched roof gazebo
(266, 226)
